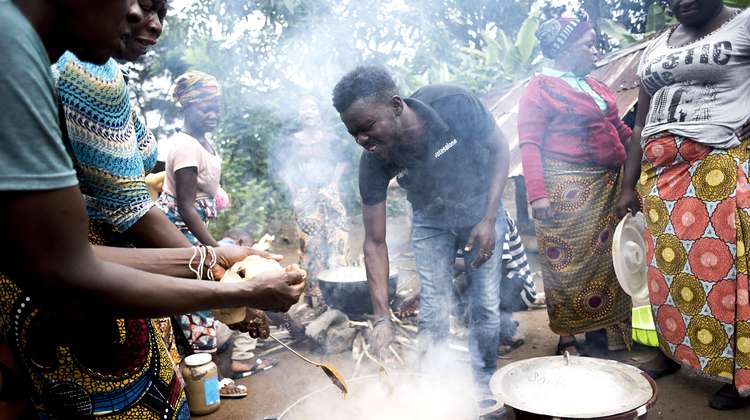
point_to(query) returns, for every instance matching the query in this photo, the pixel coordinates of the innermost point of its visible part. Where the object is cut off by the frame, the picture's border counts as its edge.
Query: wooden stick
(395, 354)
(358, 365)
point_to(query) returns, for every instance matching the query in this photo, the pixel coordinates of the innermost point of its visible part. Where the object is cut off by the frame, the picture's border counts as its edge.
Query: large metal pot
(562, 387)
(413, 397)
(345, 289)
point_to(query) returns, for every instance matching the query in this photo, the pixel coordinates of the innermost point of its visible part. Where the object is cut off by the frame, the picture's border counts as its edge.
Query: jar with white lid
(201, 383)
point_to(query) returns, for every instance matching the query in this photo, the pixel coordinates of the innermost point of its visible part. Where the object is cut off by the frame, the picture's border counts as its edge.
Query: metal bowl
(572, 387)
(346, 289)
(414, 397)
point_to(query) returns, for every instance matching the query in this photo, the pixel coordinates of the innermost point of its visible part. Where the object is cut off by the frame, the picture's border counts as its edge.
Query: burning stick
(405, 342)
(358, 365)
(406, 330)
(381, 370)
(395, 354)
(381, 367)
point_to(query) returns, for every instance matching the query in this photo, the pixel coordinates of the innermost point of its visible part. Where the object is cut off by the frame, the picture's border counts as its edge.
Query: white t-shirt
(185, 152)
(700, 90)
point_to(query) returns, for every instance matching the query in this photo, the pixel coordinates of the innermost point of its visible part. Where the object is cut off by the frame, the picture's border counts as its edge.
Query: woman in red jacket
(572, 146)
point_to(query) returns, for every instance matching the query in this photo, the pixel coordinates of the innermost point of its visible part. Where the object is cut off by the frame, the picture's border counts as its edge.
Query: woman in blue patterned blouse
(113, 148)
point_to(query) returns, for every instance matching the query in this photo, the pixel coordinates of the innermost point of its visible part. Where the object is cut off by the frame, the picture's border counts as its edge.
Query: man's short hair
(363, 82)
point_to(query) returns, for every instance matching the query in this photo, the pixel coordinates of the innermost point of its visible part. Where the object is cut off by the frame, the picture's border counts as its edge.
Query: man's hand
(276, 290)
(541, 209)
(483, 236)
(381, 338)
(627, 202)
(256, 323)
(226, 256)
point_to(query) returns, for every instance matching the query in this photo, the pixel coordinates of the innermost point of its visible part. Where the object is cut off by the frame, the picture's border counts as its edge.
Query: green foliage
(737, 3)
(658, 18)
(267, 53)
(257, 206)
(500, 59)
(616, 32)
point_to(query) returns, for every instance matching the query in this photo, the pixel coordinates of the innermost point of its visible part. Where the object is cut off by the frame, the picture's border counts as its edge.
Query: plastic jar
(201, 383)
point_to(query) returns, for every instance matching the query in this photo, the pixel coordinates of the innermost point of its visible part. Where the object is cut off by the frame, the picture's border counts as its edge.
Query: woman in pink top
(193, 165)
(193, 171)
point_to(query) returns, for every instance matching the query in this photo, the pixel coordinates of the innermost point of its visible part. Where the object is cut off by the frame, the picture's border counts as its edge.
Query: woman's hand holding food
(275, 290)
(226, 256)
(256, 323)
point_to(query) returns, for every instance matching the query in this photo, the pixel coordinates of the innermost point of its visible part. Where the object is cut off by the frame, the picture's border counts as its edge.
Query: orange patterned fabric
(697, 205)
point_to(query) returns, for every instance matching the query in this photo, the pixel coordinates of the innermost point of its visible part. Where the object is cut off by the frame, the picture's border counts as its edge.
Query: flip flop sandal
(259, 366)
(669, 367)
(504, 349)
(229, 389)
(510, 346)
(727, 398)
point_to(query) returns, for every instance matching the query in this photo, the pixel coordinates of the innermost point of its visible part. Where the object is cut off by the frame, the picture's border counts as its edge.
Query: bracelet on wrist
(381, 320)
(210, 264)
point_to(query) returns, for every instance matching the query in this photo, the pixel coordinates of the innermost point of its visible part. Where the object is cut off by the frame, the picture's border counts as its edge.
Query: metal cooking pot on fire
(574, 388)
(345, 289)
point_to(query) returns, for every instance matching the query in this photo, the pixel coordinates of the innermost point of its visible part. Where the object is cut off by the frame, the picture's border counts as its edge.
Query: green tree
(268, 52)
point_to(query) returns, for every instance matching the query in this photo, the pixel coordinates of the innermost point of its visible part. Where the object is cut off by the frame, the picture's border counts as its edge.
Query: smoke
(395, 396)
(312, 162)
(303, 154)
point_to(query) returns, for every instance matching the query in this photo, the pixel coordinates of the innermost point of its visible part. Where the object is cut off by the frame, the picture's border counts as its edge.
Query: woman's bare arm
(186, 183)
(49, 255)
(154, 230)
(628, 200)
(174, 261)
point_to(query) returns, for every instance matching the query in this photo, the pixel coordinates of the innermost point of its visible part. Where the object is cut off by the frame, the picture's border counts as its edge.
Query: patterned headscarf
(195, 86)
(554, 34)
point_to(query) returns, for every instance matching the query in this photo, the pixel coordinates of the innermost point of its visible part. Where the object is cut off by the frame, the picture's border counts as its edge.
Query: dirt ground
(681, 396)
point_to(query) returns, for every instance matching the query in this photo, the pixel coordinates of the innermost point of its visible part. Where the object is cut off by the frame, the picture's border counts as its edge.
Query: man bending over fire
(443, 147)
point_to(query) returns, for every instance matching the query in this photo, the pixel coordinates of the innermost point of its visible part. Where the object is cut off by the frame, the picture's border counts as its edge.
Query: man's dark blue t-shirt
(455, 168)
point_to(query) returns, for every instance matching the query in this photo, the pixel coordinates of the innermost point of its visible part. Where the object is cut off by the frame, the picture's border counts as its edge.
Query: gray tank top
(700, 90)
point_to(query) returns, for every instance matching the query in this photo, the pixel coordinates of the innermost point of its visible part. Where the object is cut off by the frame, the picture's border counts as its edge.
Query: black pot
(346, 289)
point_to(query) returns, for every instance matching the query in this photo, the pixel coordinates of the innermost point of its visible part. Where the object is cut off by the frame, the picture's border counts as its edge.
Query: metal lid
(573, 387)
(198, 359)
(629, 257)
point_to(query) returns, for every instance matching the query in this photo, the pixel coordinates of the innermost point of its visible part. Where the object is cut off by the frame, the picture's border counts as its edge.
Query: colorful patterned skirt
(102, 233)
(580, 285)
(697, 205)
(198, 327)
(97, 367)
(206, 208)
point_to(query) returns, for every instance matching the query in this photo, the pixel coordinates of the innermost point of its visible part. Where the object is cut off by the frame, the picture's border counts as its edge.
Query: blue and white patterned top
(112, 147)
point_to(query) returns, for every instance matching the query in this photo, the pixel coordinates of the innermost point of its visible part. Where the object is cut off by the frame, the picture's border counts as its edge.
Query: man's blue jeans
(435, 249)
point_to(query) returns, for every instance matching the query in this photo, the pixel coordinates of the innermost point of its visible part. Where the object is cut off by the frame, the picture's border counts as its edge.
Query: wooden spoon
(333, 374)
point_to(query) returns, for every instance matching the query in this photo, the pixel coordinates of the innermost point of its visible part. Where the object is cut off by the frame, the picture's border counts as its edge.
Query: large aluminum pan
(572, 387)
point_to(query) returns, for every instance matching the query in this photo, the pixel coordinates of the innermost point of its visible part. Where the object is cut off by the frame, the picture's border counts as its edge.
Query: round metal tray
(571, 387)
